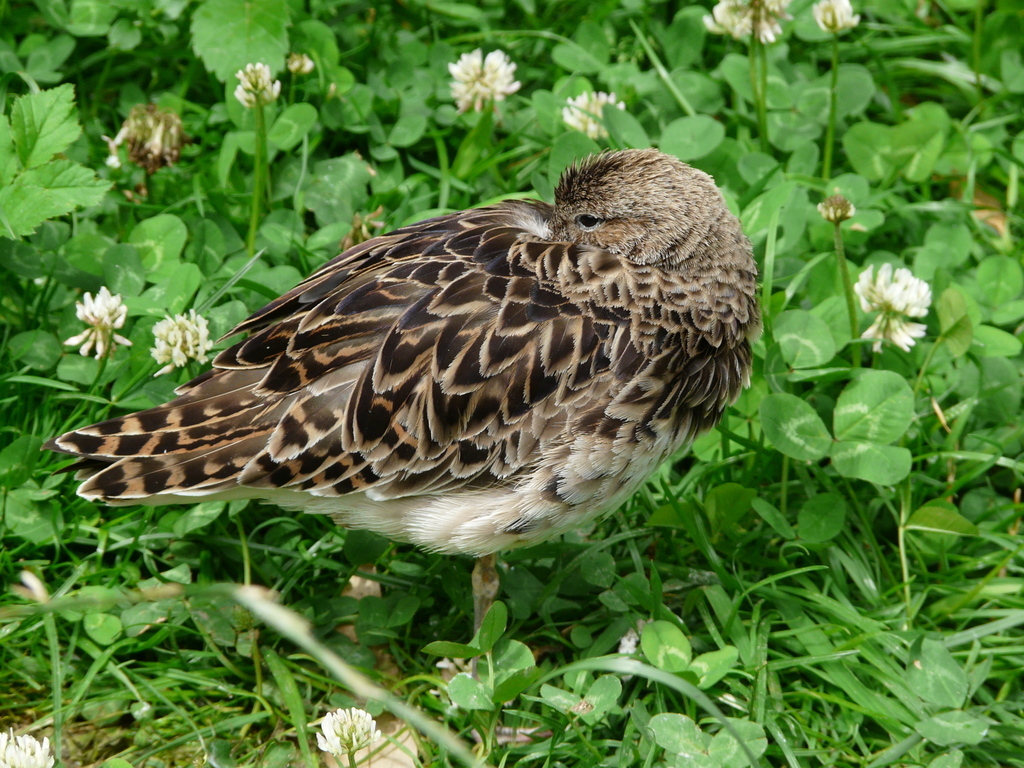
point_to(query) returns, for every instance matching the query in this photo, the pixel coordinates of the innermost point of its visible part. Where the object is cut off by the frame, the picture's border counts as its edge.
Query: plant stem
(259, 180)
(784, 490)
(830, 135)
(759, 85)
(851, 304)
(902, 543)
(56, 683)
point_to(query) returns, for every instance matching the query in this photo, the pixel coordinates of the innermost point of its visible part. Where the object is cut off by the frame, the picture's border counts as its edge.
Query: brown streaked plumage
(473, 382)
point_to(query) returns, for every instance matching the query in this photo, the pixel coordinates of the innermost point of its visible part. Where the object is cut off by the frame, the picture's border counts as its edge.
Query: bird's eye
(586, 221)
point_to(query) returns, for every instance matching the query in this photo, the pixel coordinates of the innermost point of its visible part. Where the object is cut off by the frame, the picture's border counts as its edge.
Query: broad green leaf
(869, 149)
(228, 34)
(712, 666)
(116, 762)
(91, 18)
(877, 406)
(564, 701)
(957, 328)
(512, 656)
(953, 727)
(44, 124)
(952, 759)
(491, 628)
(329, 237)
(316, 39)
(601, 696)
(916, 146)
(576, 59)
(18, 459)
(805, 340)
(451, 650)
(37, 349)
(124, 36)
(199, 516)
(821, 518)
(624, 129)
(409, 129)
(936, 519)
(693, 137)
(514, 684)
(758, 215)
(288, 688)
(726, 752)
(678, 734)
(103, 628)
(9, 164)
(24, 517)
(788, 130)
(726, 504)
(49, 190)
(291, 125)
(159, 239)
(854, 90)
(1000, 279)
(78, 369)
(934, 675)
(771, 515)
(1009, 313)
(175, 285)
(665, 646)
(794, 428)
(469, 693)
(994, 342)
(952, 305)
(881, 464)
(598, 568)
(44, 62)
(338, 189)
(123, 272)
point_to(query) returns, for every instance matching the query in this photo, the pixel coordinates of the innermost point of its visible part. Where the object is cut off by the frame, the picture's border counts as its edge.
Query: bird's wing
(427, 359)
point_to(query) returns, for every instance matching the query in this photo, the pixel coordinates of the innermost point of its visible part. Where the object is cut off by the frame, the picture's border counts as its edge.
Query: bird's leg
(485, 588)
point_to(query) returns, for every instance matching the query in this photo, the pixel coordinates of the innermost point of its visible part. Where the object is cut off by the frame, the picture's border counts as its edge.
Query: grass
(852, 596)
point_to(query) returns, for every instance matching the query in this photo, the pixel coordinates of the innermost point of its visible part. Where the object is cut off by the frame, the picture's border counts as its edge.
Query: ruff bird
(477, 381)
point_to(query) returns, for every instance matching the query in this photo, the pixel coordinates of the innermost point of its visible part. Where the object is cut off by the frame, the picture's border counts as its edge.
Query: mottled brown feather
(474, 381)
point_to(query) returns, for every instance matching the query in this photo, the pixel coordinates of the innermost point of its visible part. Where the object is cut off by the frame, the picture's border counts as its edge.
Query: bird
(474, 382)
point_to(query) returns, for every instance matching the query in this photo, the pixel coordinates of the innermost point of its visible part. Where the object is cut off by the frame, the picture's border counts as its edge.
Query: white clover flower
(835, 16)
(730, 17)
(739, 18)
(300, 64)
(476, 80)
(894, 296)
(179, 339)
(24, 752)
(103, 315)
(255, 86)
(346, 731)
(583, 113)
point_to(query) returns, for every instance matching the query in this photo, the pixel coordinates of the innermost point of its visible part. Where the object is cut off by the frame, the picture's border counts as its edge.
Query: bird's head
(649, 208)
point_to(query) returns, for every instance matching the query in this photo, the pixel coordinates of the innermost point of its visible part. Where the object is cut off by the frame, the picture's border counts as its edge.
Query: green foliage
(228, 34)
(830, 577)
(34, 185)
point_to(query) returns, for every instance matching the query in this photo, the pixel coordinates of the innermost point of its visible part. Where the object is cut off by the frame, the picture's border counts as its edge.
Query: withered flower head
(836, 209)
(154, 137)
